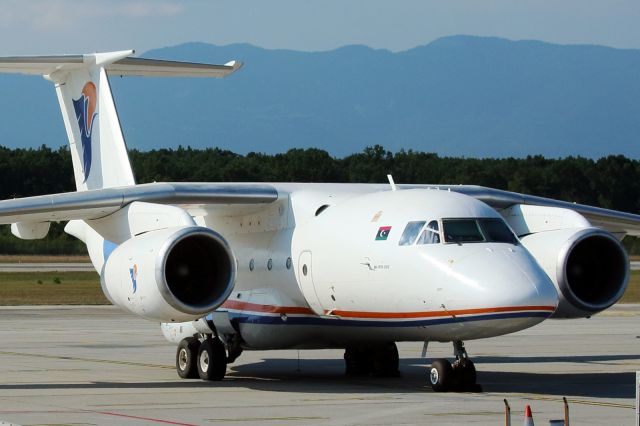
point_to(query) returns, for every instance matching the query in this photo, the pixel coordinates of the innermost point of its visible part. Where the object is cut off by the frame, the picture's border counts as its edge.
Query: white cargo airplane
(232, 266)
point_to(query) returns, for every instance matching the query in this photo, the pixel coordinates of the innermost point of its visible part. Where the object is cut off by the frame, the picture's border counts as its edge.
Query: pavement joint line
(572, 401)
(468, 413)
(73, 358)
(262, 419)
(106, 413)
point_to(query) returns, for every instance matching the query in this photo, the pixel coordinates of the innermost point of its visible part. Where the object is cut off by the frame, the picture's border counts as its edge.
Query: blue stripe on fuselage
(245, 318)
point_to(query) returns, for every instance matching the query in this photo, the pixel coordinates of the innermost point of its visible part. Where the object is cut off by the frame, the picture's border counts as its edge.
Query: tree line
(611, 182)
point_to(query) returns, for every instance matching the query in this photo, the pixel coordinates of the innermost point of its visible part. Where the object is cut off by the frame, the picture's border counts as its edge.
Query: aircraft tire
(356, 361)
(468, 375)
(441, 375)
(212, 360)
(386, 361)
(186, 356)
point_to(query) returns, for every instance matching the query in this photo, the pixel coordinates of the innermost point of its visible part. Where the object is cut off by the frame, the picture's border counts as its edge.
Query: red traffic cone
(528, 418)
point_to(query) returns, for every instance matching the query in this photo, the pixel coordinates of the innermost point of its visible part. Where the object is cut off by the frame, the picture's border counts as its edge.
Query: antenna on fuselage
(392, 183)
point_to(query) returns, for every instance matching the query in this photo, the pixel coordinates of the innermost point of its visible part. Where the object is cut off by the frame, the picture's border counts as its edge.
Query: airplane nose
(507, 282)
(509, 276)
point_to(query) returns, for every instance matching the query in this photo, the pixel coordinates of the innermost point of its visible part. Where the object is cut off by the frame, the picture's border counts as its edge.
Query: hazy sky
(77, 26)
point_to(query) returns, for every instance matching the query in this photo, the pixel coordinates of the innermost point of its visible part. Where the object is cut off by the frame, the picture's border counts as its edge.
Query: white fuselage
(341, 276)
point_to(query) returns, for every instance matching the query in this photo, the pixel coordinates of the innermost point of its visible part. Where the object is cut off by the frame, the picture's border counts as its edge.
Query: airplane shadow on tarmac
(326, 376)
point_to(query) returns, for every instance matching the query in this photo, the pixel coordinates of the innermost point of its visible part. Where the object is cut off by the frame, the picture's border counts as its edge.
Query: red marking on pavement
(147, 419)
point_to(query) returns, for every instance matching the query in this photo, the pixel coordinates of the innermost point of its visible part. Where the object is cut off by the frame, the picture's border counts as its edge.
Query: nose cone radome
(509, 288)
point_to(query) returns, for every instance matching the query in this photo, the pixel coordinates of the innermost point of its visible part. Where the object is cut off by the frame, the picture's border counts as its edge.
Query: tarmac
(98, 365)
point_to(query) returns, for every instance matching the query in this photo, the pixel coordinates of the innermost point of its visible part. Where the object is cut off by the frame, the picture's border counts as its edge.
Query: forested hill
(612, 182)
(459, 96)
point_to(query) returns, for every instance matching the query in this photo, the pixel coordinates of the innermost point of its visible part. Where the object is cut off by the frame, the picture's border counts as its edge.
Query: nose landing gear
(457, 377)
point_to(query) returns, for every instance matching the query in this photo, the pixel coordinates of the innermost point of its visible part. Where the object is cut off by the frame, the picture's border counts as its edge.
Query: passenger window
(411, 232)
(431, 234)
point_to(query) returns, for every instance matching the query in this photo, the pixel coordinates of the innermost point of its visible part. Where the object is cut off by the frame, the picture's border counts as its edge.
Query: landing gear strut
(458, 377)
(374, 359)
(207, 360)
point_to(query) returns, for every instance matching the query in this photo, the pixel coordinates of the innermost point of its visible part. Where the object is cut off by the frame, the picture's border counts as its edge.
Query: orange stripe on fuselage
(475, 311)
(270, 309)
(254, 307)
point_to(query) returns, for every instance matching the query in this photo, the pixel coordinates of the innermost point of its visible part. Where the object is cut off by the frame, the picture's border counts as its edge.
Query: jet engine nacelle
(170, 275)
(589, 267)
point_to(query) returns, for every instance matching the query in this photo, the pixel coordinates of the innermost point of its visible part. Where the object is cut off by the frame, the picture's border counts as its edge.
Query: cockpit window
(497, 231)
(492, 230)
(411, 232)
(461, 231)
(430, 235)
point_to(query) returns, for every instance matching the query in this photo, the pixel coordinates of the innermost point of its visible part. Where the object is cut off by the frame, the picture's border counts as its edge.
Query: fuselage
(329, 265)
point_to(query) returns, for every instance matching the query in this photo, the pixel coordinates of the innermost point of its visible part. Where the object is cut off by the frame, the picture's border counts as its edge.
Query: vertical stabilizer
(98, 149)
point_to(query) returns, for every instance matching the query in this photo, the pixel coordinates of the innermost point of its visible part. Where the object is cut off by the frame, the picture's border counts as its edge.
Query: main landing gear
(457, 377)
(206, 359)
(375, 359)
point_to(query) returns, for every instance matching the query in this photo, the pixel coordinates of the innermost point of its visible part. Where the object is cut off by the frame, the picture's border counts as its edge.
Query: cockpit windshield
(471, 230)
(430, 234)
(411, 232)
(460, 231)
(498, 231)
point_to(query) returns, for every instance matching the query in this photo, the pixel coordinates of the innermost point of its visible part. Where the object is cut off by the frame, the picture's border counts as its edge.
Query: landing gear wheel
(355, 360)
(385, 361)
(441, 375)
(464, 370)
(212, 360)
(467, 376)
(186, 356)
(376, 359)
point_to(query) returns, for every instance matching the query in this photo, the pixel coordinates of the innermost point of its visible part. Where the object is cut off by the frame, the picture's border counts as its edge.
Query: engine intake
(175, 274)
(593, 270)
(589, 267)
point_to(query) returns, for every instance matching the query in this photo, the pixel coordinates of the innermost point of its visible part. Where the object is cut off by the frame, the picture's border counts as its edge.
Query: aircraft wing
(98, 203)
(614, 221)
(102, 202)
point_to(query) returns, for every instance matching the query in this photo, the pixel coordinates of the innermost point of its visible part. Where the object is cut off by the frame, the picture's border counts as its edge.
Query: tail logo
(85, 108)
(134, 277)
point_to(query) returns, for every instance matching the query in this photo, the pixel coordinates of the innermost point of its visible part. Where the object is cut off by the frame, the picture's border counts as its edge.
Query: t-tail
(98, 148)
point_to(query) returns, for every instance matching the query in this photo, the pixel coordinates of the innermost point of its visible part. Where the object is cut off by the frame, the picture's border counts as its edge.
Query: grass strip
(41, 258)
(51, 288)
(632, 295)
(83, 288)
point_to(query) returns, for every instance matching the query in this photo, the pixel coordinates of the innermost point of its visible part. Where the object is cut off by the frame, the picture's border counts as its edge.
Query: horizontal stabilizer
(128, 66)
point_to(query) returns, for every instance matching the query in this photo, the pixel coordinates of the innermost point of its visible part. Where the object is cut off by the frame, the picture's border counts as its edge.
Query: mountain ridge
(459, 96)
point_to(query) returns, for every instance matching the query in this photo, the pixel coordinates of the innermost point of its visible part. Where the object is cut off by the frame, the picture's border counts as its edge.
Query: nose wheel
(459, 376)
